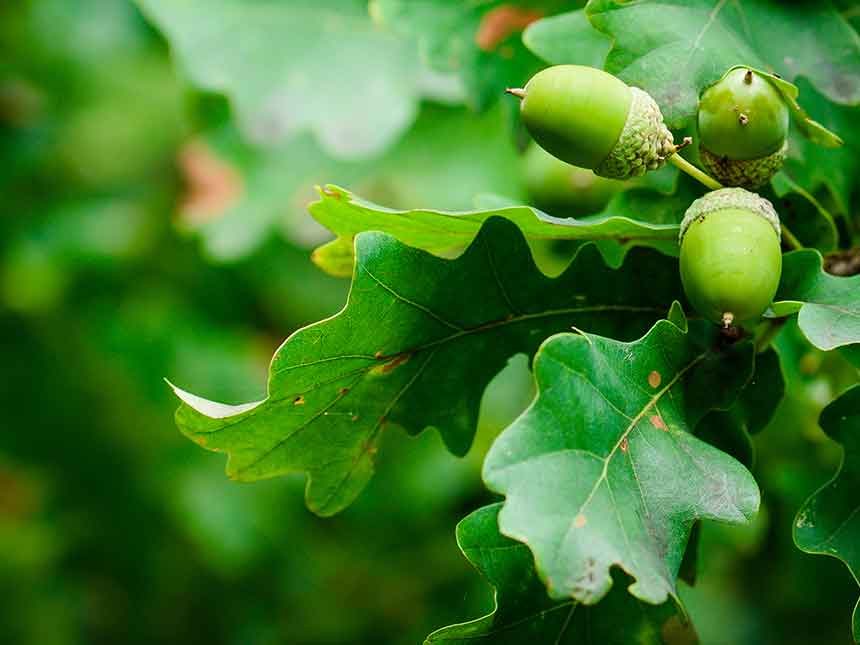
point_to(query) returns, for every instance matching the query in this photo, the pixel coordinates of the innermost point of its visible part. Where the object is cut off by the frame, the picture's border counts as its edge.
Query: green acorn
(743, 124)
(731, 259)
(593, 120)
(558, 188)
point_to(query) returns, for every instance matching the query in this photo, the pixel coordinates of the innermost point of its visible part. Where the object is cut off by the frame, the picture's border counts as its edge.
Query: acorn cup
(731, 259)
(591, 119)
(743, 124)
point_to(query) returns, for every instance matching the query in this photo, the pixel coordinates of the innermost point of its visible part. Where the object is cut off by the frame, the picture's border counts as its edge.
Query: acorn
(731, 259)
(560, 189)
(743, 128)
(593, 120)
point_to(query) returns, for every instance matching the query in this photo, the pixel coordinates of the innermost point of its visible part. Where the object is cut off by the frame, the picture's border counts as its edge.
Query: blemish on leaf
(658, 423)
(299, 400)
(654, 379)
(378, 355)
(392, 364)
(354, 417)
(580, 521)
(623, 445)
(343, 391)
(330, 192)
(500, 23)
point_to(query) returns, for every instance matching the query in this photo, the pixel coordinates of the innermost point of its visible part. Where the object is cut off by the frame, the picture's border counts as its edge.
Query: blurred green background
(141, 237)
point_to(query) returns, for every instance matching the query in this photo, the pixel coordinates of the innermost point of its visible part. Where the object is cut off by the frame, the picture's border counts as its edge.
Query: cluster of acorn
(731, 259)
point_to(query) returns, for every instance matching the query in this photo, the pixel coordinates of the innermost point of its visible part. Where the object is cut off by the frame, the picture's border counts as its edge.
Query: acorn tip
(519, 92)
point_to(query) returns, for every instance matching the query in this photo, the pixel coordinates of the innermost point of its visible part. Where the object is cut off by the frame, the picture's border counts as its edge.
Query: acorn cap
(644, 143)
(746, 173)
(724, 198)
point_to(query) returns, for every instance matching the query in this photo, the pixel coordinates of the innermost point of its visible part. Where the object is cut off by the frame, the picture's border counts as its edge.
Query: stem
(694, 172)
(765, 336)
(789, 237)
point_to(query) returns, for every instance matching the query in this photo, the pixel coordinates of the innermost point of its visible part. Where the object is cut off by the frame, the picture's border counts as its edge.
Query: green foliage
(524, 612)
(628, 476)
(266, 190)
(828, 306)
(161, 158)
(357, 98)
(440, 232)
(829, 522)
(479, 41)
(731, 430)
(674, 50)
(334, 386)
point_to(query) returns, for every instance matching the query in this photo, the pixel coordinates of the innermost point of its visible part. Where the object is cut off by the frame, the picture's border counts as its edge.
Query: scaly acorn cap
(724, 198)
(644, 143)
(746, 173)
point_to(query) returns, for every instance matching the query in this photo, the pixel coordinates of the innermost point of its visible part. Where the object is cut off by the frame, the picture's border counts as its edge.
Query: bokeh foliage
(154, 226)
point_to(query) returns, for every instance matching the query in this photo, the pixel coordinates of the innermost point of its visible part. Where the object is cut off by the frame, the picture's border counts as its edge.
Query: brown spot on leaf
(654, 379)
(212, 185)
(393, 364)
(299, 400)
(331, 192)
(344, 390)
(500, 23)
(623, 445)
(377, 355)
(658, 423)
(579, 521)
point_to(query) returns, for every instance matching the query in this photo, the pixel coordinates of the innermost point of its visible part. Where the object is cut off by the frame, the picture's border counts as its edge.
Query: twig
(789, 237)
(684, 165)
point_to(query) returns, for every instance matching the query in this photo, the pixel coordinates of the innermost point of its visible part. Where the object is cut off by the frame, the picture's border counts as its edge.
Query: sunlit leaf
(525, 614)
(603, 469)
(415, 346)
(442, 232)
(828, 306)
(568, 39)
